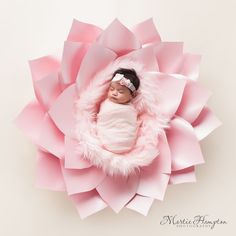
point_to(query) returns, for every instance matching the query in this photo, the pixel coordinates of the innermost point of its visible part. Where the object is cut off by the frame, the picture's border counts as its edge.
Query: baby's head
(123, 86)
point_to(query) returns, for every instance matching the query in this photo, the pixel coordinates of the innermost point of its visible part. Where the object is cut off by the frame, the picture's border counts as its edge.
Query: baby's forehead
(117, 85)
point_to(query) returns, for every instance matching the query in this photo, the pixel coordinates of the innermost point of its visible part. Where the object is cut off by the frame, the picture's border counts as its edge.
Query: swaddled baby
(117, 125)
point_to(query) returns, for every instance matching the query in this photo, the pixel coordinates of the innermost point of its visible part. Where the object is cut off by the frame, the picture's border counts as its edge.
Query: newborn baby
(117, 119)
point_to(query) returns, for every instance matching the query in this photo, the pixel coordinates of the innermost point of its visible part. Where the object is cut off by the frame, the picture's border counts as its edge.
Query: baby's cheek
(123, 97)
(126, 96)
(109, 94)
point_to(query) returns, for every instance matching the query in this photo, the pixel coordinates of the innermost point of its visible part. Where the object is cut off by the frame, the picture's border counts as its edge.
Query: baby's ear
(134, 94)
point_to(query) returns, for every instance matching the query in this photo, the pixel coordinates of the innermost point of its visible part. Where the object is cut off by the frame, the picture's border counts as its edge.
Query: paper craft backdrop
(30, 29)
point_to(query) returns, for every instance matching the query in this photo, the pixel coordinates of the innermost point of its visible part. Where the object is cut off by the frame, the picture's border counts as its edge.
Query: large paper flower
(67, 94)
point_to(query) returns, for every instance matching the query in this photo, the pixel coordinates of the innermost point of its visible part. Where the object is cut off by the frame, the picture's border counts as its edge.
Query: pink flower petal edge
(88, 203)
(140, 204)
(118, 191)
(48, 172)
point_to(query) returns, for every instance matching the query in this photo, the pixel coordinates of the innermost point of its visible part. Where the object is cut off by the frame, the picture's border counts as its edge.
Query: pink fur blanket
(152, 122)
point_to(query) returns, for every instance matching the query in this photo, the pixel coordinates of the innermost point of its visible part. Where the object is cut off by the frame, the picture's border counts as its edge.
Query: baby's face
(119, 93)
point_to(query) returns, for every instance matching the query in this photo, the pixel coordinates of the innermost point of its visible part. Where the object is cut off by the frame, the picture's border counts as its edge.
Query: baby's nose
(114, 93)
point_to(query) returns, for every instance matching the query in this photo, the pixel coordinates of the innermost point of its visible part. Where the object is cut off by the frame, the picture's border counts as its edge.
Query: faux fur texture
(150, 119)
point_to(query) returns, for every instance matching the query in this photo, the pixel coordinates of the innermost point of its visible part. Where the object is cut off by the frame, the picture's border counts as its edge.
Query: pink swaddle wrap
(117, 126)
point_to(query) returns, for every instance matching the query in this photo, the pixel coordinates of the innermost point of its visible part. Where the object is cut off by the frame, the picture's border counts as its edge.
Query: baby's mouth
(113, 99)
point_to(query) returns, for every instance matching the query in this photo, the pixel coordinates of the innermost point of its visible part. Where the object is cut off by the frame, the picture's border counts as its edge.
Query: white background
(31, 29)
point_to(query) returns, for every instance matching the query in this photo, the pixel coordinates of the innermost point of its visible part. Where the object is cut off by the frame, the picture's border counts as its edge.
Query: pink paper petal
(88, 203)
(73, 54)
(74, 160)
(44, 66)
(62, 111)
(146, 32)
(47, 89)
(190, 66)
(32, 114)
(205, 123)
(140, 204)
(83, 32)
(48, 172)
(184, 146)
(169, 56)
(96, 59)
(183, 176)
(51, 139)
(119, 38)
(84, 180)
(117, 191)
(144, 56)
(171, 92)
(193, 101)
(153, 182)
(164, 158)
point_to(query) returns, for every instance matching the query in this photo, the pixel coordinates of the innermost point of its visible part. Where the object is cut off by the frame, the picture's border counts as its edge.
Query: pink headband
(123, 81)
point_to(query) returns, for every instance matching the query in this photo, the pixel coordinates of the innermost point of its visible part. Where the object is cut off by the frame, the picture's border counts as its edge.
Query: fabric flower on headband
(123, 81)
(61, 121)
